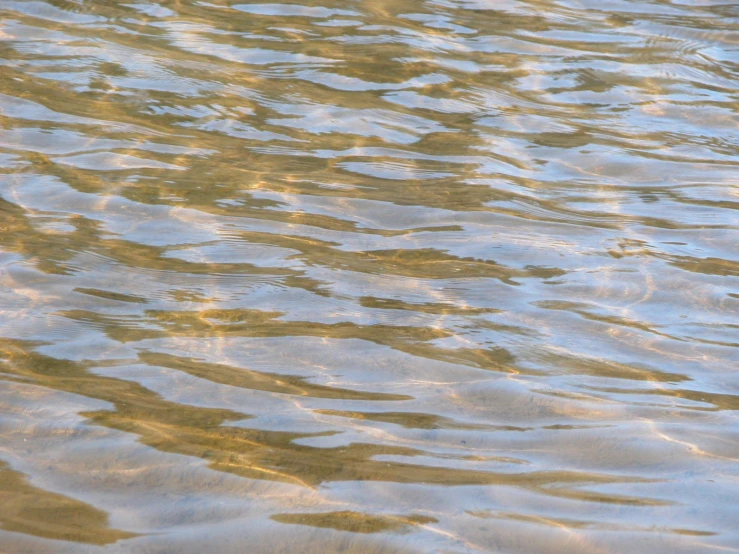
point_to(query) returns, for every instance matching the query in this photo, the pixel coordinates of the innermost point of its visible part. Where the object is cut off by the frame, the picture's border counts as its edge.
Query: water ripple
(440, 276)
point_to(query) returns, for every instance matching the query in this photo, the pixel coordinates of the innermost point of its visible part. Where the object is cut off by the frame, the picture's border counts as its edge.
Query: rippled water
(369, 276)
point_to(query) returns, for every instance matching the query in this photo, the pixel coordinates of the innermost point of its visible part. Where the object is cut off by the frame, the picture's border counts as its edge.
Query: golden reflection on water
(368, 276)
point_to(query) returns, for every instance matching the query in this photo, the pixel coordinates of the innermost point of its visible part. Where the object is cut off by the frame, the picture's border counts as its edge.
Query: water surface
(372, 276)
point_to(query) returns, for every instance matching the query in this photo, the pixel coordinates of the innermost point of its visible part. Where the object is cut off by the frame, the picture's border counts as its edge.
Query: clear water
(368, 276)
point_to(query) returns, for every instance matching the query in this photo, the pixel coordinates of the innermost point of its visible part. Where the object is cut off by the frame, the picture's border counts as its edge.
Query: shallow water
(413, 276)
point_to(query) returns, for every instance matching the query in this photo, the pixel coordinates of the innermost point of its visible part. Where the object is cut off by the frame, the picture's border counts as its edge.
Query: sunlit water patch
(413, 276)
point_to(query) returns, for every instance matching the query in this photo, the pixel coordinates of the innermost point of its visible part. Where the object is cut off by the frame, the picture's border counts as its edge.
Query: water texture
(372, 276)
